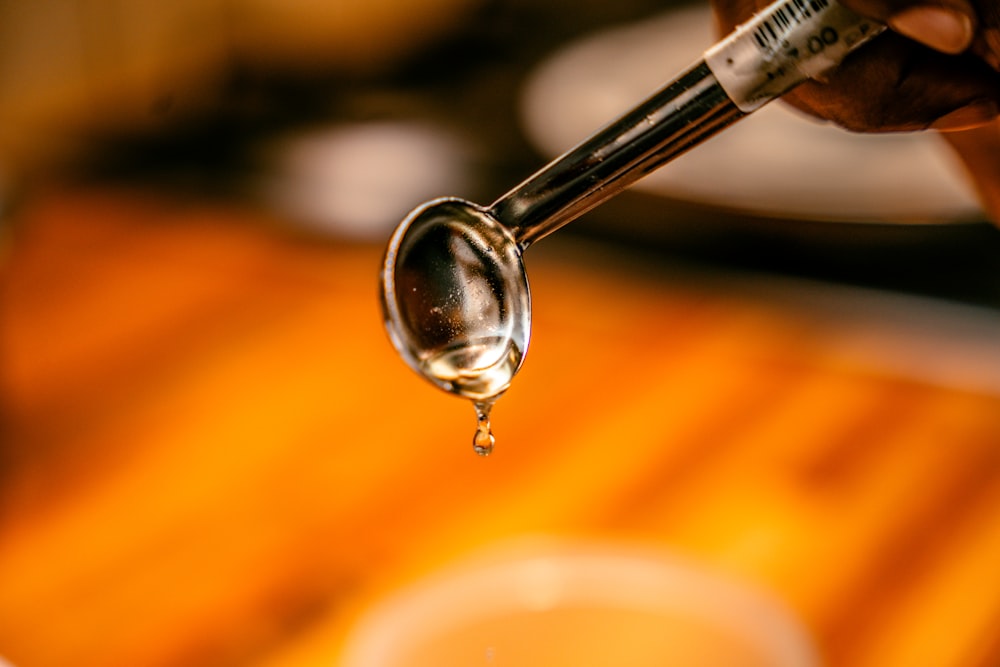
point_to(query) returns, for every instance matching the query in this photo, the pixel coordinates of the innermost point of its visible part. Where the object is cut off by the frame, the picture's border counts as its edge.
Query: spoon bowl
(455, 298)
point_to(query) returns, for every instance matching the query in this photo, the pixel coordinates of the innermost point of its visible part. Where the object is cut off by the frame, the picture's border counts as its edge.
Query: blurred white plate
(776, 163)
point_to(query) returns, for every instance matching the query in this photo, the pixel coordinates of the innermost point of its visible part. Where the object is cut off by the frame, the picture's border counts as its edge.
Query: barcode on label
(769, 34)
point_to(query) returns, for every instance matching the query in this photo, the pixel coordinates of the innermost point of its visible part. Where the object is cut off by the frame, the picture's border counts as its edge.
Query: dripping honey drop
(483, 440)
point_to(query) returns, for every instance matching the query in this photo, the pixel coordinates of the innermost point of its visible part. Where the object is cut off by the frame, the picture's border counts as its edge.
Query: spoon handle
(787, 43)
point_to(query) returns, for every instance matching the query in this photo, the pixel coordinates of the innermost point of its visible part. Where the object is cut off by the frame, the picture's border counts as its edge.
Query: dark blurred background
(269, 101)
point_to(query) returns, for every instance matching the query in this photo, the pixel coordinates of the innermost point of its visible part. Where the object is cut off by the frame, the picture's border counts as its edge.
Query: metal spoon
(454, 290)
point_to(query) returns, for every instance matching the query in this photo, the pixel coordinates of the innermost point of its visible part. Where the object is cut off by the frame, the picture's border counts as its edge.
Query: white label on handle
(782, 46)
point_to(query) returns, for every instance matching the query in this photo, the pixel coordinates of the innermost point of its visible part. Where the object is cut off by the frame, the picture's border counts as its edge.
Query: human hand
(937, 67)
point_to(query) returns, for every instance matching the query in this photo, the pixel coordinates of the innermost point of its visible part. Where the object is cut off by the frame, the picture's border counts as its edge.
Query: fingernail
(964, 118)
(940, 28)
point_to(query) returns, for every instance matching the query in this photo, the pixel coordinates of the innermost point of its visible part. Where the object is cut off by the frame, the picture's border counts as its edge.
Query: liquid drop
(483, 440)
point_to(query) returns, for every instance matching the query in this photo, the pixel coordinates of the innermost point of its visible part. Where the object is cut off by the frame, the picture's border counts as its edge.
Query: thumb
(948, 26)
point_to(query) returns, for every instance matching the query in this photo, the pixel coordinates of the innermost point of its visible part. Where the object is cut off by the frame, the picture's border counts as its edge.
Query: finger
(730, 13)
(895, 84)
(978, 150)
(987, 43)
(949, 26)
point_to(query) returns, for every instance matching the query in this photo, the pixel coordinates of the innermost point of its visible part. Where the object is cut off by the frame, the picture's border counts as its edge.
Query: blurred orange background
(210, 454)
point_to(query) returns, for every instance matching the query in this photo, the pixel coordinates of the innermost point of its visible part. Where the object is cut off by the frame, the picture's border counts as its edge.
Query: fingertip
(968, 117)
(942, 28)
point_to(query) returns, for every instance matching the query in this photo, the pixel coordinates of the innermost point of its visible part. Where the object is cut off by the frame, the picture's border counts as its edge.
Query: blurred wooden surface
(211, 456)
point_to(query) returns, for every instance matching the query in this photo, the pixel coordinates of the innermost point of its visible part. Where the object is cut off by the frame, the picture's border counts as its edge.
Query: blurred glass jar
(549, 604)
